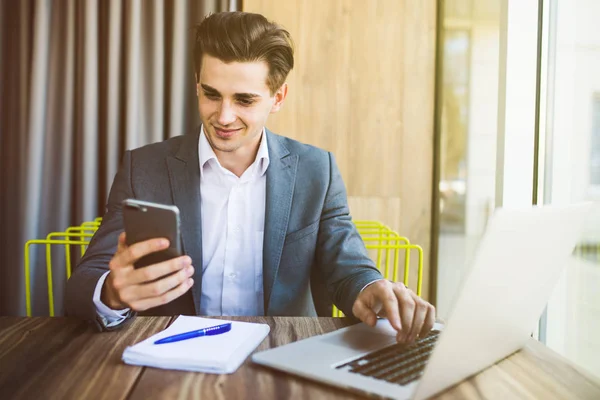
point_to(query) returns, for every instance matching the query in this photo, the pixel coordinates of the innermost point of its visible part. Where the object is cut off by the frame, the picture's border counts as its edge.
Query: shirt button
(232, 275)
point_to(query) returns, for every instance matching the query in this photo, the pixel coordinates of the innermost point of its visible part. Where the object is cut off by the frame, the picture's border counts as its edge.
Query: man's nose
(226, 114)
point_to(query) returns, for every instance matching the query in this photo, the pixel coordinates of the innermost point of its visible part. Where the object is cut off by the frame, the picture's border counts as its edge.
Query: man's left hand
(408, 314)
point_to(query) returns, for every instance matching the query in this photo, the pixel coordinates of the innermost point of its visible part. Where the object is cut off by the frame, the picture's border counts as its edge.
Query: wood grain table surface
(64, 358)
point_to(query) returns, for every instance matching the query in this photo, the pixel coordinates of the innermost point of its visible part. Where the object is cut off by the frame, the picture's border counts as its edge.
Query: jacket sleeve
(80, 287)
(341, 253)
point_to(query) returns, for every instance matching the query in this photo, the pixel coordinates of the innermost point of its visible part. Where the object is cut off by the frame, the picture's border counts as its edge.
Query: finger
(138, 250)
(165, 298)
(364, 313)
(429, 320)
(122, 243)
(156, 271)
(389, 303)
(418, 318)
(406, 310)
(161, 286)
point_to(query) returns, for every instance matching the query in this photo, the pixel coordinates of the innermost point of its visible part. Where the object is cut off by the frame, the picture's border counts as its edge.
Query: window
(470, 39)
(595, 143)
(573, 172)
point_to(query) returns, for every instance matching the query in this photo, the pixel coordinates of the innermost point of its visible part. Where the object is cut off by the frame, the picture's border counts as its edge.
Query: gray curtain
(80, 82)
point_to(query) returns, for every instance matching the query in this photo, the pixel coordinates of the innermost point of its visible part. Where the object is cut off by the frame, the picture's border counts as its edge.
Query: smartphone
(146, 220)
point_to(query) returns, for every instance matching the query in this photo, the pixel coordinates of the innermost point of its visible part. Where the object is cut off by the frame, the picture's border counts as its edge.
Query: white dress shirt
(233, 219)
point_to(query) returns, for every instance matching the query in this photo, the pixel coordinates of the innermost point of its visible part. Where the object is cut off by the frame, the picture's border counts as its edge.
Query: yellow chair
(74, 235)
(376, 235)
(388, 246)
(366, 227)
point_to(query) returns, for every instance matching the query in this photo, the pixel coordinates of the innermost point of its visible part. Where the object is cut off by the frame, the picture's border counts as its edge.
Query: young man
(264, 217)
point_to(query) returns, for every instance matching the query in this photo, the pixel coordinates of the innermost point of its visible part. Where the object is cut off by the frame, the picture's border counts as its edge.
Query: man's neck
(238, 161)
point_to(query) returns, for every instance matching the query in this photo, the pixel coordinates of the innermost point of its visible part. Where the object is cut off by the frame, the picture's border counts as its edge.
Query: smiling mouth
(225, 133)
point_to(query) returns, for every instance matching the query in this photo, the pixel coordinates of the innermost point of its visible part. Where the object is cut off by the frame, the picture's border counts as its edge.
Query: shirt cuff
(370, 283)
(107, 315)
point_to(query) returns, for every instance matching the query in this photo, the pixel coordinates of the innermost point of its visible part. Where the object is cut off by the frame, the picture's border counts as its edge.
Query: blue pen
(213, 330)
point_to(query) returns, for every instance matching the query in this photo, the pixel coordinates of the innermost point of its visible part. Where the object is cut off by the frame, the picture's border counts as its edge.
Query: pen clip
(215, 330)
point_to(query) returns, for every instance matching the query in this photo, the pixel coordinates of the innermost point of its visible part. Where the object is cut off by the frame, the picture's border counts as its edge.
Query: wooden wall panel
(363, 88)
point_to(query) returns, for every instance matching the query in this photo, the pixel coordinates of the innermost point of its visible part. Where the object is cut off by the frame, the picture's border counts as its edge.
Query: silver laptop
(517, 264)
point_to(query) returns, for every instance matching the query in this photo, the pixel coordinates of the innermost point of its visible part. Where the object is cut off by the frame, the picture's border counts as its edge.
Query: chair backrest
(386, 247)
(73, 236)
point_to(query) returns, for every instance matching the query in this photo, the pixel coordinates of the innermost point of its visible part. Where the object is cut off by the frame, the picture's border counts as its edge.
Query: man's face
(234, 102)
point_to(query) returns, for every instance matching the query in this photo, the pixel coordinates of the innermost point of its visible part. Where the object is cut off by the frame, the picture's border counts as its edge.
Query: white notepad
(218, 354)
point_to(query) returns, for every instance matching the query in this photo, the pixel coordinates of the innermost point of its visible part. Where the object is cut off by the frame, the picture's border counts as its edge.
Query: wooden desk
(64, 358)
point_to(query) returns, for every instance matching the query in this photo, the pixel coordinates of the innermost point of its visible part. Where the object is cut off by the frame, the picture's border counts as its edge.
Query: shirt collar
(206, 153)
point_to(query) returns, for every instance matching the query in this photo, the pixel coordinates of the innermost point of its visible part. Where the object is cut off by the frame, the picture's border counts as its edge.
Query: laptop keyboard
(398, 363)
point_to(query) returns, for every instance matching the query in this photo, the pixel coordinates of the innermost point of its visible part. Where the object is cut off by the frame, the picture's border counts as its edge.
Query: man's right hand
(141, 289)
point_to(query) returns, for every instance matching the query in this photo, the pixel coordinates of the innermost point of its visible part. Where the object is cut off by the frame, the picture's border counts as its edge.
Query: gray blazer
(312, 252)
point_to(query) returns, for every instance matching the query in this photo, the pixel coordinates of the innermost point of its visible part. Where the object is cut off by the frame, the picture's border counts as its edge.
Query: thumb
(364, 313)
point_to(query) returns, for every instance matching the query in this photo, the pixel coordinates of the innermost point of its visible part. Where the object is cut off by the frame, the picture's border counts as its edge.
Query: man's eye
(211, 96)
(246, 102)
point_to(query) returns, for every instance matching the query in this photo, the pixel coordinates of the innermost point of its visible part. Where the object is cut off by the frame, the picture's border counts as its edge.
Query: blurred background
(80, 82)
(475, 112)
(437, 112)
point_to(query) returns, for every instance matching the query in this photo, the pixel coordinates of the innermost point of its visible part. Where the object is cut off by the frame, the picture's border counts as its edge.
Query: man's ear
(197, 84)
(280, 96)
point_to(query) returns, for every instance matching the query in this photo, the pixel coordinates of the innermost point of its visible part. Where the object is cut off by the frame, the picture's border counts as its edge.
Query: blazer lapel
(184, 175)
(281, 177)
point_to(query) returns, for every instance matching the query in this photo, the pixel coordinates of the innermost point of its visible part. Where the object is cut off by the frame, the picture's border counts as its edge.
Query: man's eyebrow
(210, 89)
(247, 95)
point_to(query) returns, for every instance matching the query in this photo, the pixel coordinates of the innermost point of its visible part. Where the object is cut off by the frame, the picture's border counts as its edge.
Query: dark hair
(245, 37)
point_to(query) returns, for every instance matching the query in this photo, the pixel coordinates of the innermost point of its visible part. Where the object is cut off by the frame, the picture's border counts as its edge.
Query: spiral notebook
(219, 354)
